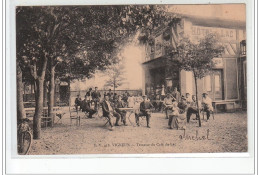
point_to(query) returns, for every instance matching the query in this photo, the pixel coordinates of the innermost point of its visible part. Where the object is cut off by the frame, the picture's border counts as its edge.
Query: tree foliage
(96, 32)
(197, 57)
(116, 76)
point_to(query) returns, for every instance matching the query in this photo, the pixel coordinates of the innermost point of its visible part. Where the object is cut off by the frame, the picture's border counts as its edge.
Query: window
(217, 83)
(207, 84)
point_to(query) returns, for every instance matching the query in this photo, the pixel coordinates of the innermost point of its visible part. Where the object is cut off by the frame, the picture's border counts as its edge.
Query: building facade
(227, 81)
(61, 93)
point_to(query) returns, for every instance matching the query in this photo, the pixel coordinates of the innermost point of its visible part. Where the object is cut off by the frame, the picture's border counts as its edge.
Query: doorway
(214, 85)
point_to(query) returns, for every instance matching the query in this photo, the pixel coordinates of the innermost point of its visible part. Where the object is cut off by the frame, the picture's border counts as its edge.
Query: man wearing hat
(86, 107)
(96, 97)
(182, 105)
(207, 104)
(121, 104)
(77, 102)
(167, 102)
(108, 111)
(145, 107)
(193, 108)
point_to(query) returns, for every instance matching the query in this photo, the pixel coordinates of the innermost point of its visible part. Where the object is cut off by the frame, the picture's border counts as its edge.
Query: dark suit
(96, 98)
(86, 108)
(121, 104)
(77, 103)
(107, 113)
(144, 106)
(89, 93)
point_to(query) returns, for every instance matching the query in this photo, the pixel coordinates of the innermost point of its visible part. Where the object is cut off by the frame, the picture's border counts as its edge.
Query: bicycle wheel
(25, 143)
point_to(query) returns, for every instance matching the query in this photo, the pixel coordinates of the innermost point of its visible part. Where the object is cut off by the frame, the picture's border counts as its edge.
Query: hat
(204, 93)
(144, 96)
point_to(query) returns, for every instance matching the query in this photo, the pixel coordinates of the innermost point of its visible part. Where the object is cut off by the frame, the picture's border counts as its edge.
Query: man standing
(176, 94)
(125, 96)
(193, 109)
(96, 98)
(89, 93)
(167, 102)
(145, 107)
(207, 104)
(109, 93)
(121, 104)
(108, 111)
(163, 92)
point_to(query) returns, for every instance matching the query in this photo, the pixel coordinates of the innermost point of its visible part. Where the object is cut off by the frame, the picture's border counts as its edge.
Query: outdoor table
(131, 111)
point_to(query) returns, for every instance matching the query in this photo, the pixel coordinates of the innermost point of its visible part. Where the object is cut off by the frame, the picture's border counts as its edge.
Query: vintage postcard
(131, 79)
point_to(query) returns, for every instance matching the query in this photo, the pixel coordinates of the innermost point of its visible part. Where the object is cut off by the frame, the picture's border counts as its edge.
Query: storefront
(61, 94)
(227, 80)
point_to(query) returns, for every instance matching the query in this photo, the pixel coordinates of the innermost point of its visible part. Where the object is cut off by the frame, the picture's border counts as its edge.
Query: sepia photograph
(131, 79)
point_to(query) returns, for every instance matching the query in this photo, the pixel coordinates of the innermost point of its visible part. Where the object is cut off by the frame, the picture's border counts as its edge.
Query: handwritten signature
(196, 137)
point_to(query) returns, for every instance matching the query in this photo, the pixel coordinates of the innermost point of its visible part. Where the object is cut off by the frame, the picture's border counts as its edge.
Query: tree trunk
(51, 95)
(45, 94)
(69, 90)
(197, 100)
(20, 107)
(38, 109)
(114, 88)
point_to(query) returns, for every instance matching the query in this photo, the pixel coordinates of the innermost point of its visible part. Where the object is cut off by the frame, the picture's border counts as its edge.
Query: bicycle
(24, 137)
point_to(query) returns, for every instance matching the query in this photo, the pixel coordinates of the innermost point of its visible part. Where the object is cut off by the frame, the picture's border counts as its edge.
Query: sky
(134, 54)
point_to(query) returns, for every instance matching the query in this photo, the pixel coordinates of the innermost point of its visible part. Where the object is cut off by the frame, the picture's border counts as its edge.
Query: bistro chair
(74, 115)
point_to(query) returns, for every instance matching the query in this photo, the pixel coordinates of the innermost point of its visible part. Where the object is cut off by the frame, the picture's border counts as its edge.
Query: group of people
(175, 105)
(118, 109)
(90, 103)
(112, 105)
(115, 105)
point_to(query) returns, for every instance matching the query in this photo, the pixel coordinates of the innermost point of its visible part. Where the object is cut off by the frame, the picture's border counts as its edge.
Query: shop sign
(218, 62)
(224, 33)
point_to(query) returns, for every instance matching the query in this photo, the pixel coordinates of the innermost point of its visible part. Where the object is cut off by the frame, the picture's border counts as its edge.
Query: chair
(46, 120)
(107, 121)
(74, 115)
(211, 112)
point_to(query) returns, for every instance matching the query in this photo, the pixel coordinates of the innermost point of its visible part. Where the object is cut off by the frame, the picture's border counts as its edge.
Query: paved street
(227, 133)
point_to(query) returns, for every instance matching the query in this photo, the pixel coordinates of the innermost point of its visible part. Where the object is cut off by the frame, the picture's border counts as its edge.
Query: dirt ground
(226, 133)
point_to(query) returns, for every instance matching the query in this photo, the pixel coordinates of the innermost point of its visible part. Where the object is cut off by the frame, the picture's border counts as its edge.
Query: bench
(222, 102)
